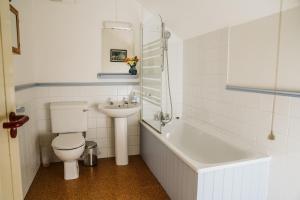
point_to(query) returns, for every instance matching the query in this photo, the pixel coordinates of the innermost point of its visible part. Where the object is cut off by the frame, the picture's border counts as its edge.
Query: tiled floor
(106, 181)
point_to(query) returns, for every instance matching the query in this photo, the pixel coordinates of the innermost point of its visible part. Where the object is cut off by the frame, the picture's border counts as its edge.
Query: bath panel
(185, 174)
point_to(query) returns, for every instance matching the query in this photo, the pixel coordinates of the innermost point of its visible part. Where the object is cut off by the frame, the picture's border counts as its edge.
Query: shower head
(167, 34)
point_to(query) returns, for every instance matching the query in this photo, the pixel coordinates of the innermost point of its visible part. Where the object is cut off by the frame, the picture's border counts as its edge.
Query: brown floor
(106, 181)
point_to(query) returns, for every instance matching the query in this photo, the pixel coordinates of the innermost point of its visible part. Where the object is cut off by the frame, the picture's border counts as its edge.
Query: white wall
(289, 59)
(61, 42)
(29, 139)
(240, 116)
(24, 73)
(100, 127)
(253, 47)
(24, 68)
(193, 17)
(68, 36)
(69, 42)
(116, 39)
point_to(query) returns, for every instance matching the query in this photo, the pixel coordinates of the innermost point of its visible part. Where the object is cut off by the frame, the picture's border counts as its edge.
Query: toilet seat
(68, 141)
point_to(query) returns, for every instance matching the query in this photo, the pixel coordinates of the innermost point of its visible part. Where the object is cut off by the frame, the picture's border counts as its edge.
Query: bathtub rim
(205, 167)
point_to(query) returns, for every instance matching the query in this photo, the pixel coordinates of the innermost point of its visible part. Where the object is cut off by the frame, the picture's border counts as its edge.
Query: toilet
(69, 121)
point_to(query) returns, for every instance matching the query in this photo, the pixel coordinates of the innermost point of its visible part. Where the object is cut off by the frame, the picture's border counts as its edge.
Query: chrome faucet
(125, 101)
(110, 102)
(164, 118)
(133, 98)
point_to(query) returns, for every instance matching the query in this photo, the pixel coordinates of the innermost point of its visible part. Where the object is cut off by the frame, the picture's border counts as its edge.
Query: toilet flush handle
(85, 110)
(15, 121)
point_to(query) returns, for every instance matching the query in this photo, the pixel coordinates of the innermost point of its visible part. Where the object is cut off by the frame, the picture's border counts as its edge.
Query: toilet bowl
(68, 148)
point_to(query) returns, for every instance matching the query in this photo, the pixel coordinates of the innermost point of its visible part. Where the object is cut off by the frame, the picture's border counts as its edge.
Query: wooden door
(10, 170)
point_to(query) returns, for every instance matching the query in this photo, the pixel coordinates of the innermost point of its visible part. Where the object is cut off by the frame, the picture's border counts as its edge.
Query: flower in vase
(132, 63)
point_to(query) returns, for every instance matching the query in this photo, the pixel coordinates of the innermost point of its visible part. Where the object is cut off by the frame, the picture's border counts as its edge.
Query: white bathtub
(191, 164)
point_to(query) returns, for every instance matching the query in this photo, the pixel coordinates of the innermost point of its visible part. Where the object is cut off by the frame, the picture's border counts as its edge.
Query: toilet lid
(68, 141)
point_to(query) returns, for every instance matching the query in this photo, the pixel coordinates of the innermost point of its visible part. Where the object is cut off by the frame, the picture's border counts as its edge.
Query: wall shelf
(116, 76)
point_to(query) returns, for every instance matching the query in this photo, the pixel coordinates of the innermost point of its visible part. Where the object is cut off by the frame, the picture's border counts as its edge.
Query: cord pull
(271, 136)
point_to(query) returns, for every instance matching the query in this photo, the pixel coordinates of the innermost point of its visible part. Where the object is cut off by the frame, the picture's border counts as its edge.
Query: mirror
(14, 16)
(117, 44)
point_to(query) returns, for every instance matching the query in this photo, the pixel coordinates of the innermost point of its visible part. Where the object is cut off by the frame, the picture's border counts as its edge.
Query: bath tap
(162, 117)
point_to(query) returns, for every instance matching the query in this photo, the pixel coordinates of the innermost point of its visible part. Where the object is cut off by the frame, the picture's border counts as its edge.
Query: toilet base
(71, 170)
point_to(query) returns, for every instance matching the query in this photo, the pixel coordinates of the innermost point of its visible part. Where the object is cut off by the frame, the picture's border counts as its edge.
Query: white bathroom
(140, 99)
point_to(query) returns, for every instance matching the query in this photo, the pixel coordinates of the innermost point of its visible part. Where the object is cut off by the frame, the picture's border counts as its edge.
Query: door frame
(10, 173)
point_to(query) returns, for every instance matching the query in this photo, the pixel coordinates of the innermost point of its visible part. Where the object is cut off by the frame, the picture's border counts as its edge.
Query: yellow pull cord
(271, 135)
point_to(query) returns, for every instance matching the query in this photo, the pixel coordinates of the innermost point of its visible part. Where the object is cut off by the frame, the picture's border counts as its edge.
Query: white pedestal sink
(120, 114)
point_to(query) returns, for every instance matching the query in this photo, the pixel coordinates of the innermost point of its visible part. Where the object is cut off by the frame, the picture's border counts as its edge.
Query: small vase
(133, 70)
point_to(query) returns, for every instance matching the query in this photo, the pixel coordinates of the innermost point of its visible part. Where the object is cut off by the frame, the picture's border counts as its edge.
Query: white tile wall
(241, 116)
(100, 127)
(28, 139)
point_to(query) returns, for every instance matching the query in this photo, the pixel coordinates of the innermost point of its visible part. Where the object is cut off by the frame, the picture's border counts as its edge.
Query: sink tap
(134, 98)
(110, 102)
(125, 101)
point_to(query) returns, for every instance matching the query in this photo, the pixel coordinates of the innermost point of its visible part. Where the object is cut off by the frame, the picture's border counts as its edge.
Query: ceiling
(190, 18)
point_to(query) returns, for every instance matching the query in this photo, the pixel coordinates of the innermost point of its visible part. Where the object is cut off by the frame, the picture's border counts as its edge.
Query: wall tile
(294, 128)
(133, 140)
(132, 130)
(281, 124)
(29, 137)
(102, 133)
(133, 150)
(282, 105)
(295, 107)
(91, 133)
(101, 122)
(103, 152)
(239, 116)
(92, 123)
(100, 127)
(123, 91)
(41, 92)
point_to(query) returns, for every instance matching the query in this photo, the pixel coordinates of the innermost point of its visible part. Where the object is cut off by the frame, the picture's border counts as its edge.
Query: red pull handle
(15, 121)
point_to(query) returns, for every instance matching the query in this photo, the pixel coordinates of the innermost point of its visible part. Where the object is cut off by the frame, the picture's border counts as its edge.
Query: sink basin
(120, 114)
(120, 111)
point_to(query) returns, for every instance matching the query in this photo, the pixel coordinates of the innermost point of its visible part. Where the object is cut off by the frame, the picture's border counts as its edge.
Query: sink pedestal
(120, 114)
(121, 141)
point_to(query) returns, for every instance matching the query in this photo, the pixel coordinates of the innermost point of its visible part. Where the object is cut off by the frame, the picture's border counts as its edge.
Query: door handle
(15, 121)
